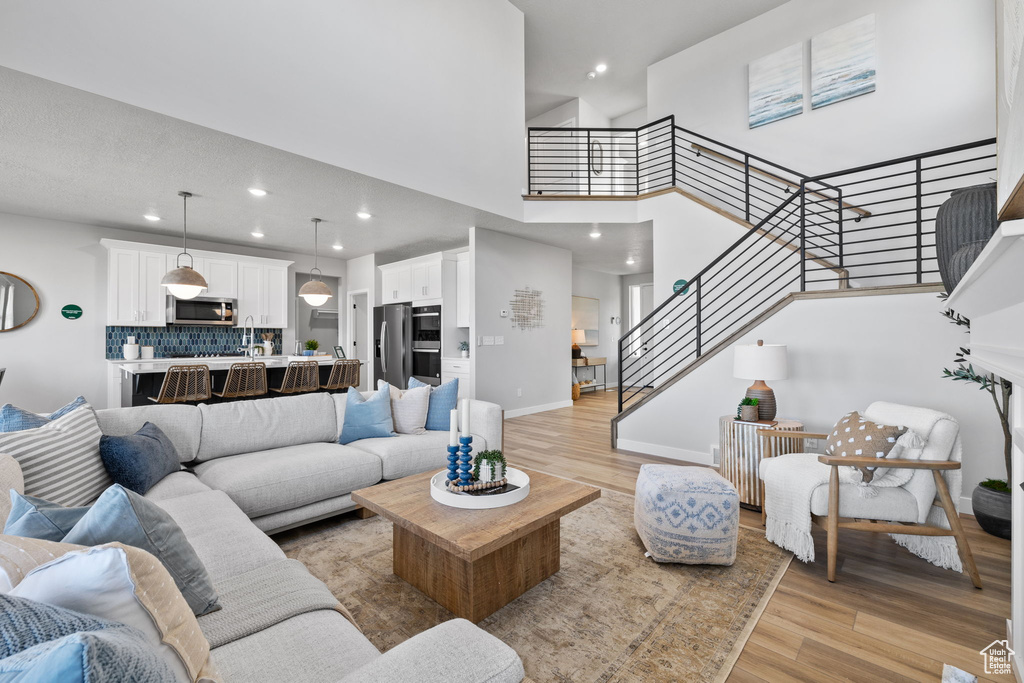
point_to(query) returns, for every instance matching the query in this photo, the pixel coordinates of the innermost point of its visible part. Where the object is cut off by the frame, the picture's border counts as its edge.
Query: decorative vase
(963, 225)
(992, 510)
(748, 413)
(465, 353)
(308, 352)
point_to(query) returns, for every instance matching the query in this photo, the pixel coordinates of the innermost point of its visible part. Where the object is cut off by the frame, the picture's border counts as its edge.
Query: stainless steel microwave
(203, 310)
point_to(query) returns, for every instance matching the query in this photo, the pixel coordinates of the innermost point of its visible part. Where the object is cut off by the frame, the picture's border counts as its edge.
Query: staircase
(863, 231)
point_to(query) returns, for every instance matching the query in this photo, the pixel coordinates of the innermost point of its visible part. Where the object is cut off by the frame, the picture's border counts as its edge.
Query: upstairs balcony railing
(866, 226)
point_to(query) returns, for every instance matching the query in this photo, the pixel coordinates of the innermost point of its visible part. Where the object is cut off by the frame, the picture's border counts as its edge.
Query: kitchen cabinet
(134, 295)
(463, 289)
(457, 368)
(416, 280)
(263, 294)
(221, 277)
(426, 280)
(396, 283)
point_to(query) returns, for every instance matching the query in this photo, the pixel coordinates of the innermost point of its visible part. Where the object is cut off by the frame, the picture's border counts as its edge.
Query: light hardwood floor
(890, 616)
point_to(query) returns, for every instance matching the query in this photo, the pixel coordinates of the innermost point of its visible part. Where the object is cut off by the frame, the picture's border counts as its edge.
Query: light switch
(488, 341)
(498, 341)
(503, 313)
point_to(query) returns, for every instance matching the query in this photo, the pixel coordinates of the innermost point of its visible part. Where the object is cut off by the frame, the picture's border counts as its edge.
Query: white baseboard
(663, 451)
(965, 507)
(519, 412)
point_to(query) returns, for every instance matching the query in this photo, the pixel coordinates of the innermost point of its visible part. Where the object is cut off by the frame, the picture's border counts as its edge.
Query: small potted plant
(747, 410)
(489, 466)
(311, 346)
(464, 348)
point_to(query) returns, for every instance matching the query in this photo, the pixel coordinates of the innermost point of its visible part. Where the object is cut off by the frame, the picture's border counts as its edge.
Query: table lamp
(761, 362)
(578, 337)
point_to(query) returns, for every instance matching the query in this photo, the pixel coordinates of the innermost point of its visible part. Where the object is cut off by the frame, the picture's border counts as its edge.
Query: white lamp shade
(767, 362)
(579, 337)
(315, 292)
(184, 283)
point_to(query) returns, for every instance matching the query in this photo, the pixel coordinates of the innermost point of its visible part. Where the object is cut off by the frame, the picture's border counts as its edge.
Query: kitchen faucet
(249, 324)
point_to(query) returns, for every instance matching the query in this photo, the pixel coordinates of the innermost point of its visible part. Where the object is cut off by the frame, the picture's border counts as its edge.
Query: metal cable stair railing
(868, 226)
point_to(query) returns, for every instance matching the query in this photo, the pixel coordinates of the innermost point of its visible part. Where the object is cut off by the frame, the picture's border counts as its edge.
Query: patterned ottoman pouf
(686, 514)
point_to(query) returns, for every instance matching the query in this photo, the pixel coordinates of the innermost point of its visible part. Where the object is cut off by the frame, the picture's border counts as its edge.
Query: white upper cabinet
(275, 296)
(396, 283)
(263, 294)
(463, 288)
(415, 280)
(134, 295)
(426, 280)
(221, 277)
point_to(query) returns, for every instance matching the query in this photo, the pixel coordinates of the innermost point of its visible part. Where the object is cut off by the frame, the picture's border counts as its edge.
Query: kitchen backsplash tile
(183, 339)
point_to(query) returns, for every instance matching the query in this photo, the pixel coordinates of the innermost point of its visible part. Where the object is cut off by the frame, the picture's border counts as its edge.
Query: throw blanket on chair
(787, 501)
(265, 596)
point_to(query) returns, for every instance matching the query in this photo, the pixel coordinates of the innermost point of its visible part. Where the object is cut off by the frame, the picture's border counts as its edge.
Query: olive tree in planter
(991, 498)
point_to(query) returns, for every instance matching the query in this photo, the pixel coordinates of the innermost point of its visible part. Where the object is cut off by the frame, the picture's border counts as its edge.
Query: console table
(593, 363)
(741, 450)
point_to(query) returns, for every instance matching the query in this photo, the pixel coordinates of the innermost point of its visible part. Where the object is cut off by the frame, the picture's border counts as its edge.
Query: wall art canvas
(843, 62)
(776, 86)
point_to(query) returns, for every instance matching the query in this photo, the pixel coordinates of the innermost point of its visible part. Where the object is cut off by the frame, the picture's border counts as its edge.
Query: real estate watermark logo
(997, 657)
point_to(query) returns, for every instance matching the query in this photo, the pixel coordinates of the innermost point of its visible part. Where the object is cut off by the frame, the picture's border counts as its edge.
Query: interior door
(641, 303)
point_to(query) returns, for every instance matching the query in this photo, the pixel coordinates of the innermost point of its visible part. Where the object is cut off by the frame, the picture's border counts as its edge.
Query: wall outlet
(716, 456)
(479, 341)
(498, 341)
(519, 392)
(488, 341)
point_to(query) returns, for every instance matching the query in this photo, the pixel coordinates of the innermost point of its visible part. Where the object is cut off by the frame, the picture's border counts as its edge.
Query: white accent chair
(906, 509)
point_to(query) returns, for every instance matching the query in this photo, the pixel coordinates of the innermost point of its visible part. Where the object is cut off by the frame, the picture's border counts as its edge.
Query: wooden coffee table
(475, 561)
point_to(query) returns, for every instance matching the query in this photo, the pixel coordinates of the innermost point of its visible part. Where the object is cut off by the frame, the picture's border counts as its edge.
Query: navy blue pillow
(139, 461)
(443, 400)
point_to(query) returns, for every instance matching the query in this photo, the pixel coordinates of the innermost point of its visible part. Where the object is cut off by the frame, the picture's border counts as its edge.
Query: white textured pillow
(409, 408)
(128, 585)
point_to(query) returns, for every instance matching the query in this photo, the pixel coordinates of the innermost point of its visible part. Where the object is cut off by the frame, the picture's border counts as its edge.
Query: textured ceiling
(75, 156)
(567, 38)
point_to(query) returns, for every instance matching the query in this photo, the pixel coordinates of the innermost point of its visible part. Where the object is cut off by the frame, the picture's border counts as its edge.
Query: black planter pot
(992, 510)
(963, 225)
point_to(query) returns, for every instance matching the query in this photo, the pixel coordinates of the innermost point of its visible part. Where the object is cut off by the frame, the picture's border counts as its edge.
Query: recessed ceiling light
(601, 68)
(591, 75)
(630, 261)
(151, 217)
(256, 233)
(364, 215)
(595, 233)
(338, 247)
(257, 192)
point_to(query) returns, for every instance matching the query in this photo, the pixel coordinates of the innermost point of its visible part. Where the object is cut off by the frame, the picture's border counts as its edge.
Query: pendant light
(315, 292)
(184, 282)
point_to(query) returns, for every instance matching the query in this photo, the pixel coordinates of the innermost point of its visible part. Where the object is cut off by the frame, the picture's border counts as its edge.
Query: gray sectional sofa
(268, 465)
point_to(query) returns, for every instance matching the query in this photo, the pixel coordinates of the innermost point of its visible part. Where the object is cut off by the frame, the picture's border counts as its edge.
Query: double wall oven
(426, 344)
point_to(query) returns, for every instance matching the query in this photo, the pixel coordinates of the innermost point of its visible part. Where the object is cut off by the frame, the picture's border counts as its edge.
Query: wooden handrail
(701, 149)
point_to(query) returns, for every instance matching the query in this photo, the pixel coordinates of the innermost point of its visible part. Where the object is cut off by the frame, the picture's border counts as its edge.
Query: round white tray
(499, 500)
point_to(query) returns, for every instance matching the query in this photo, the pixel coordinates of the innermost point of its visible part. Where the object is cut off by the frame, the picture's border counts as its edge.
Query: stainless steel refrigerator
(392, 347)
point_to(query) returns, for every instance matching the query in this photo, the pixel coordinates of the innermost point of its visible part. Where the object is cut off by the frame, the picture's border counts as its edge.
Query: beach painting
(776, 86)
(843, 62)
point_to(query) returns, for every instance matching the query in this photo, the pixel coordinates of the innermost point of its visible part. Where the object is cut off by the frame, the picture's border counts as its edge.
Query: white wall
(633, 119)
(935, 88)
(363, 275)
(51, 360)
(890, 348)
(429, 95)
(569, 111)
(537, 361)
(607, 289)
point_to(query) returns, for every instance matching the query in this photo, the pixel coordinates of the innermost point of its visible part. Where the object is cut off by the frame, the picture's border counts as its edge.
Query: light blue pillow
(367, 418)
(38, 518)
(443, 400)
(15, 419)
(121, 516)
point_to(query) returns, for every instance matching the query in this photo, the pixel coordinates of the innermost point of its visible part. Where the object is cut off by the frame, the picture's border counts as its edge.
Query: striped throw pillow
(61, 460)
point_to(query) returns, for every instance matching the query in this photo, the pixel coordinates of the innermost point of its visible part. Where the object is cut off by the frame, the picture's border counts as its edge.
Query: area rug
(609, 614)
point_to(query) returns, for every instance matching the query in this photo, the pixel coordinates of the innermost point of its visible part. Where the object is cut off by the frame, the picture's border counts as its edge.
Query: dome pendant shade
(184, 282)
(315, 292)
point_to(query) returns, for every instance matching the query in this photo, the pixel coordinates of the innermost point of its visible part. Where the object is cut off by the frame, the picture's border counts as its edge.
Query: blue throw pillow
(38, 518)
(367, 418)
(15, 419)
(443, 400)
(121, 516)
(137, 462)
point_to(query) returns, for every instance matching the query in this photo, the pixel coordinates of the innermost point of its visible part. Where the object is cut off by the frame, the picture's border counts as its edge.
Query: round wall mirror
(19, 302)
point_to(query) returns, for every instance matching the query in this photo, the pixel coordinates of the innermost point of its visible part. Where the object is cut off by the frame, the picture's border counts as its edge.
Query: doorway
(316, 322)
(641, 303)
(359, 342)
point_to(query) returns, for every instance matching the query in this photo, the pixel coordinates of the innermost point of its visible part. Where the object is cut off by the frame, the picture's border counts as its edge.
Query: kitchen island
(141, 379)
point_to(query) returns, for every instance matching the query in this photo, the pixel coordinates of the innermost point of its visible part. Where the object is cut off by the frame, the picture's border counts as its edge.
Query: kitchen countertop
(142, 367)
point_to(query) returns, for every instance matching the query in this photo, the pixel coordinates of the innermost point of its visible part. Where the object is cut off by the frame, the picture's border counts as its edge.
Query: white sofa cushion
(262, 424)
(174, 485)
(407, 454)
(182, 424)
(269, 481)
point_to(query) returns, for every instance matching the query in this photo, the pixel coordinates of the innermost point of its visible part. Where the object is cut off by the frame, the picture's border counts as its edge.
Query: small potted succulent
(747, 410)
(311, 346)
(489, 466)
(464, 348)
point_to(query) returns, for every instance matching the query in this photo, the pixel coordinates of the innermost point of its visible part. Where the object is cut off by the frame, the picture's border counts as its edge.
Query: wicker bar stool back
(299, 377)
(245, 380)
(344, 374)
(185, 384)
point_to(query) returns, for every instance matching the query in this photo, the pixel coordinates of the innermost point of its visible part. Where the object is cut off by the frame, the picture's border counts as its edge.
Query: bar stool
(245, 380)
(299, 377)
(344, 374)
(3, 371)
(184, 384)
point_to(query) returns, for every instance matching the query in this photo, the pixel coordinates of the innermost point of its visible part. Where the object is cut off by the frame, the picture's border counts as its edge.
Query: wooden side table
(593, 363)
(741, 450)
